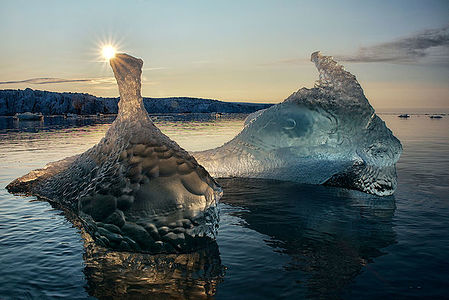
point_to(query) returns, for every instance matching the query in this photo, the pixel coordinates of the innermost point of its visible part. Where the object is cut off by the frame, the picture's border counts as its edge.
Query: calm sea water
(277, 240)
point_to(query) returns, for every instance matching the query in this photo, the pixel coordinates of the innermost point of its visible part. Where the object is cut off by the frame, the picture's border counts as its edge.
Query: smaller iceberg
(328, 134)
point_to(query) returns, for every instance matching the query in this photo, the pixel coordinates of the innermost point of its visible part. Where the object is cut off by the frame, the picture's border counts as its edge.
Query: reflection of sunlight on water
(200, 135)
(50, 142)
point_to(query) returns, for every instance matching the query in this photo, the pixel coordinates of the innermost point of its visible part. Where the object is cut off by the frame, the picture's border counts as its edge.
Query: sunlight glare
(108, 52)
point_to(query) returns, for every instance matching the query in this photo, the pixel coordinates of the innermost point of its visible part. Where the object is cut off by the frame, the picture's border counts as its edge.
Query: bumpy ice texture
(329, 134)
(136, 190)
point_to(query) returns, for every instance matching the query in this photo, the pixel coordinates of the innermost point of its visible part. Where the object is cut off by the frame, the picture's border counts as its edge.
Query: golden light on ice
(108, 52)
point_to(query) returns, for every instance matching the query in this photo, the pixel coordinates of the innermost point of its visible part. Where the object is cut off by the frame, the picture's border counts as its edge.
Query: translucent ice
(136, 190)
(329, 134)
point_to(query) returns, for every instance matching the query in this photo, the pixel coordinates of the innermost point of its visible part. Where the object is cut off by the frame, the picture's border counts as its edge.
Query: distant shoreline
(62, 103)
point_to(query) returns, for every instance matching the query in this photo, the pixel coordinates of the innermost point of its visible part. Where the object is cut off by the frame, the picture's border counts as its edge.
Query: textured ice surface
(329, 134)
(136, 190)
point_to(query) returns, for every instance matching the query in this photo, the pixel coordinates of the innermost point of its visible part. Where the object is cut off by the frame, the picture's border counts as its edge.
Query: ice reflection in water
(329, 234)
(112, 274)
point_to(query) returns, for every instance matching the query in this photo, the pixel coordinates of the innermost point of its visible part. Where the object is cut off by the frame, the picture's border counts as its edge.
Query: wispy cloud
(50, 80)
(431, 42)
(427, 45)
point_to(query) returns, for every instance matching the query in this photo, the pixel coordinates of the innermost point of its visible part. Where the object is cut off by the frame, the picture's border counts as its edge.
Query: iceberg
(328, 134)
(136, 190)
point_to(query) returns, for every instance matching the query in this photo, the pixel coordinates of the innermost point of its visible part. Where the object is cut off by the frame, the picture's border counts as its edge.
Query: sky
(252, 51)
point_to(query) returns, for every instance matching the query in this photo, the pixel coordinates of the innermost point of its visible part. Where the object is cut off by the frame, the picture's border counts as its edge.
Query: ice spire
(333, 75)
(127, 72)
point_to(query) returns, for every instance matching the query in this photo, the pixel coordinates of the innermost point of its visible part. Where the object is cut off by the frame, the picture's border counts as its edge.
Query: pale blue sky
(230, 50)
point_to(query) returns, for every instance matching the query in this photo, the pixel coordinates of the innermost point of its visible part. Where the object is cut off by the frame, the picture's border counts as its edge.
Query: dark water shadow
(330, 234)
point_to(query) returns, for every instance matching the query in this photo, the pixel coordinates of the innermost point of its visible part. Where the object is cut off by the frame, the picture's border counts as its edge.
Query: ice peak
(127, 71)
(333, 75)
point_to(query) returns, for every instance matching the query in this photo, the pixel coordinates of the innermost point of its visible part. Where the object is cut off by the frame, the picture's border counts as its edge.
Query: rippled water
(276, 239)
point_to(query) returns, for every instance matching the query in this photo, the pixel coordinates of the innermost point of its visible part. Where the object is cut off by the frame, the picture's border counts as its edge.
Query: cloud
(50, 80)
(431, 43)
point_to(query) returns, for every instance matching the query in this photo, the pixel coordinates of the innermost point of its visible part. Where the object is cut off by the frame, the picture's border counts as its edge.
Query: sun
(108, 52)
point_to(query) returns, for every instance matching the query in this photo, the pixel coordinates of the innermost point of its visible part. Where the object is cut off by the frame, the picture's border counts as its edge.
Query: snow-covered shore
(54, 103)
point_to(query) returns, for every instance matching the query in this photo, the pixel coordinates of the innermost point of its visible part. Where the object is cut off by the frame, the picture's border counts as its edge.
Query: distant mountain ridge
(55, 103)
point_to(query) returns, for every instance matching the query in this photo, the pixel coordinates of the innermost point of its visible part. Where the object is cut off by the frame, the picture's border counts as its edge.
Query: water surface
(276, 239)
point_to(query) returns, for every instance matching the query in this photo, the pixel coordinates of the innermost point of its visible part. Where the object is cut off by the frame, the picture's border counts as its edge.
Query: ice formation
(136, 190)
(329, 134)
